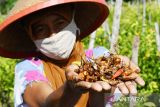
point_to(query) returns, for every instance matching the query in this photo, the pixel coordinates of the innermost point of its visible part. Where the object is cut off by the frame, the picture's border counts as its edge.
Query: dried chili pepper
(109, 69)
(118, 73)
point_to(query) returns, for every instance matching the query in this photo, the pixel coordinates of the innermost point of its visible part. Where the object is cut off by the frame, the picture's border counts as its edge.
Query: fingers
(96, 87)
(127, 62)
(131, 76)
(105, 86)
(134, 67)
(100, 86)
(131, 87)
(71, 74)
(128, 87)
(134, 83)
(122, 87)
(140, 81)
(136, 77)
(71, 68)
(84, 84)
(125, 59)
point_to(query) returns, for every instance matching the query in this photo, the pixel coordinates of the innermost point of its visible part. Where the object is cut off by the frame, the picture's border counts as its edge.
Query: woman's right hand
(73, 80)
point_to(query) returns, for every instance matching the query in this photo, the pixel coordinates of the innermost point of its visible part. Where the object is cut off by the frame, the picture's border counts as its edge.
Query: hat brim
(14, 41)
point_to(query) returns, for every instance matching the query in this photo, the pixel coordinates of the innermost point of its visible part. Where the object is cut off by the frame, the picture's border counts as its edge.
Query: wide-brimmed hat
(14, 40)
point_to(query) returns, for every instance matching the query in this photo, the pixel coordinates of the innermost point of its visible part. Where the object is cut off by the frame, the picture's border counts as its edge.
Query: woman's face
(48, 24)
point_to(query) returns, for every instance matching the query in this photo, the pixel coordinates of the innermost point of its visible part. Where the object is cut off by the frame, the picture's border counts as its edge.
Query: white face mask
(60, 45)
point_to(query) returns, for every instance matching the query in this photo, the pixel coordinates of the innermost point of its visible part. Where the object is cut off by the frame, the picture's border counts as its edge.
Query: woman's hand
(73, 80)
(125, 87)
(130, 86)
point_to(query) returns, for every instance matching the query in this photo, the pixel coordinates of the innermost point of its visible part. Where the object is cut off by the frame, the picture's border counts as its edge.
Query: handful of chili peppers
(110, 69)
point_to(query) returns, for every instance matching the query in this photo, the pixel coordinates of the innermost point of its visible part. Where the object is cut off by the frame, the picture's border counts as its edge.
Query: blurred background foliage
(130, 25)
(6, 5)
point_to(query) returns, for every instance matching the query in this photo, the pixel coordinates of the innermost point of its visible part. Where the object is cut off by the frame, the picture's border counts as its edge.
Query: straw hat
(14, 41)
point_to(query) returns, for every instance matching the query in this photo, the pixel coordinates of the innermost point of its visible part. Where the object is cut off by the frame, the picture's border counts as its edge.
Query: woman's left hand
(129, 87)
(75, 82)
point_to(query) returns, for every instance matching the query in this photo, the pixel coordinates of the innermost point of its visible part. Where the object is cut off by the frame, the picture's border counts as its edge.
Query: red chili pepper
(119, 72)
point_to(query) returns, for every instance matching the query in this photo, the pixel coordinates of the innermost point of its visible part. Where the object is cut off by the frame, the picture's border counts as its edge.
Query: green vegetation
(131, 25)
(6, 5)
(6, 81)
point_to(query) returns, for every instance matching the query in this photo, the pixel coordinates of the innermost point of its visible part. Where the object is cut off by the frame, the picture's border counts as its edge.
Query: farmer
(47, 34)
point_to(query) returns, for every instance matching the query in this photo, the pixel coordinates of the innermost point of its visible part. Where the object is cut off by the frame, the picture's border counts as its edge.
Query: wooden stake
(157, 36)
(134, 59)
(116, 24)
(114, 39)
(135, 48)
(106, 28)
(150, 17)
(144, 16)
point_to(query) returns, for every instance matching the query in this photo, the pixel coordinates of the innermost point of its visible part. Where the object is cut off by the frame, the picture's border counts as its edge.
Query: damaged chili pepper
(118, 73)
